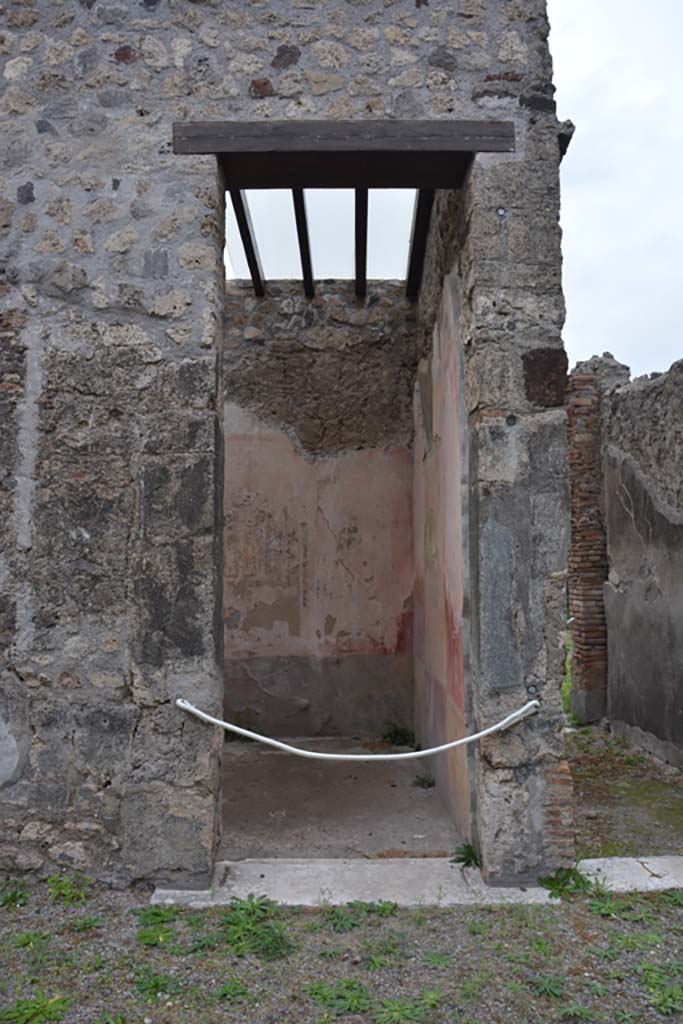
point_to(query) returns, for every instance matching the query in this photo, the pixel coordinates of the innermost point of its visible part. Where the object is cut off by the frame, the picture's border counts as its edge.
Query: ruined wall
(318, 531)
(111, 303)
(111, 294)
(441, 489)
(587, 565)
(643, 493)
(501, 239)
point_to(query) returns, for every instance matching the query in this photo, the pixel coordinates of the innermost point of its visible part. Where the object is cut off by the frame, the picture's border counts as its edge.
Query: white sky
(619, 77)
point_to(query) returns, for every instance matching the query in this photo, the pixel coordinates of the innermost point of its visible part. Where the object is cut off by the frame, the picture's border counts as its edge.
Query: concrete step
(410, 882)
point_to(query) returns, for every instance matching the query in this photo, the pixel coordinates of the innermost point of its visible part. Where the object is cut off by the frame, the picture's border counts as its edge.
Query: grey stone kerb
(111, 305)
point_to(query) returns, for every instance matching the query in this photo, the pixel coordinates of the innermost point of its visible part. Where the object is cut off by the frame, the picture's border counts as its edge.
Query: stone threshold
(409, 882)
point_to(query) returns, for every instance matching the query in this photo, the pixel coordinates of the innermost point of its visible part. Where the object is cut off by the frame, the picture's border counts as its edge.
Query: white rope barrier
(530, 708)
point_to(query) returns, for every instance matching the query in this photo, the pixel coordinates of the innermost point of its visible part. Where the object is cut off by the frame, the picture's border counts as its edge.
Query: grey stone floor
(277, 805)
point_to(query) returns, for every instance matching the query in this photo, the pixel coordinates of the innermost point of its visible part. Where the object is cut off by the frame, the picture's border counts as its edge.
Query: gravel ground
(627, 804)
(115, 960)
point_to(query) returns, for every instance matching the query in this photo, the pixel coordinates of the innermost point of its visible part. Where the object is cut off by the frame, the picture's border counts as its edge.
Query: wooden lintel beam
(337, 137)
(304, 244)
(418, 241)
(361, 242)
(241, 208)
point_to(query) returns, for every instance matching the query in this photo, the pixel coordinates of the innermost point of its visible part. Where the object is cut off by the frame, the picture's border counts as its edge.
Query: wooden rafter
(361, 242)
(418, 241)
(241, 208)
(304, 244)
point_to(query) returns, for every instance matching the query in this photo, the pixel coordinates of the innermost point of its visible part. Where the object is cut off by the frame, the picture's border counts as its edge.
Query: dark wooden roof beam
(418, 241)
(241, 208)
(361, 242)
(304, 244)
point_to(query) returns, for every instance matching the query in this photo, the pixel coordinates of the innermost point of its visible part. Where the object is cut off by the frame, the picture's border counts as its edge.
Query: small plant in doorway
(424, 780)
(466, 856)
(398, 735)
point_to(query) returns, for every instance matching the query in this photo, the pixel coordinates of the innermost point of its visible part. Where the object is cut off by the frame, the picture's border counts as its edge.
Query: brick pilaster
(587, 569)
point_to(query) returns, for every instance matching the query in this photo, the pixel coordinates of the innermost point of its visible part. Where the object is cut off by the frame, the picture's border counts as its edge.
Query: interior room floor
(280, 805)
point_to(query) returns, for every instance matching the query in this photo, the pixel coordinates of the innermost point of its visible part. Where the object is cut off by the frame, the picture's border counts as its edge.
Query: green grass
(255, 961)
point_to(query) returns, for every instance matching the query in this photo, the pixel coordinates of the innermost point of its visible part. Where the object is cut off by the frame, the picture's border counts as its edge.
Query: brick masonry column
(587, 566)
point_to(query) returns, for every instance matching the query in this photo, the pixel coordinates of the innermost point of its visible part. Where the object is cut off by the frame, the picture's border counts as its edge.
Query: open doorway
(321, 575)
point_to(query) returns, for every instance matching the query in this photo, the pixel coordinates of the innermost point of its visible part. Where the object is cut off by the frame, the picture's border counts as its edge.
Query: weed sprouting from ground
(345, 996)
(437, 961)
(13, 894)
(664, 983)
(69, 889)
(36, 945)
(86, 924)
(155, 935)
(550, 985)
(37, 1010)
(566, 882)
(408, 1011)
(574, 1013)
(231, 991)
(156, 914)
(150, 983)
(252, 927)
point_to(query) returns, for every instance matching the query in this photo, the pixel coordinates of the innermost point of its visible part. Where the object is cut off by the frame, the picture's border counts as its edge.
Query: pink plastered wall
(439, 655)
(318, 577)
(318, 552)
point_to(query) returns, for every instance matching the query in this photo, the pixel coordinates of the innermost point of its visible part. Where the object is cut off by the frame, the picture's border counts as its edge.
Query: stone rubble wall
(626, 561)
(500, 237)
(111, 293)
(643, 489)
